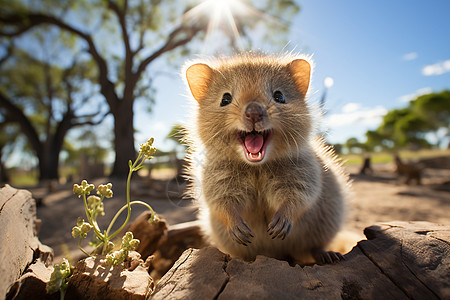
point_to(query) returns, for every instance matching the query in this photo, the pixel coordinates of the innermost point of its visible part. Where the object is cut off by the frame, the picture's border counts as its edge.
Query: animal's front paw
(279, 227)
(326, 257)
(240, 232)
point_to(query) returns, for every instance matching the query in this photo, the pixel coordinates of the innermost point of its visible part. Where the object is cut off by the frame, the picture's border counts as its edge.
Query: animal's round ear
(198, 77)
(300, 71)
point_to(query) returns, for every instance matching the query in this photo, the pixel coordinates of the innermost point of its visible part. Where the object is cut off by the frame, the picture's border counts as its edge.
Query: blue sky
(380, 54)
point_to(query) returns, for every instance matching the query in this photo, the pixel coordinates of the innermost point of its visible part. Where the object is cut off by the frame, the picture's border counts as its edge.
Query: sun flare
(222, 15)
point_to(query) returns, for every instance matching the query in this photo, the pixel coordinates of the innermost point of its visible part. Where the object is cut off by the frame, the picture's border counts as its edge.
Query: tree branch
(8, 54)
(141, 32)
(16, 113)
(32, 20)
(50, 96)
(126, 42)
(170, 44)
(89, 116)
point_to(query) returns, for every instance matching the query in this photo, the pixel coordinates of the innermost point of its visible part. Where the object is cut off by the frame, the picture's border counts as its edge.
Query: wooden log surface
(399, 260)
(19, 245)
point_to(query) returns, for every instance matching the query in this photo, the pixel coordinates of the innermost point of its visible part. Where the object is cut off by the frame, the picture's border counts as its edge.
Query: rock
(93, 279)
(400, 260)
(19, 245)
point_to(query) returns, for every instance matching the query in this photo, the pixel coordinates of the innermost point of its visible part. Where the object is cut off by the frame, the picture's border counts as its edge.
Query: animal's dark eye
(226, 99)
(278, 96)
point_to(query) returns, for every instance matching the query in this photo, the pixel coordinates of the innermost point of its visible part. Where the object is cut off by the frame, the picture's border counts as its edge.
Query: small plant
(59, 278)
(118, 257)
(94, 207)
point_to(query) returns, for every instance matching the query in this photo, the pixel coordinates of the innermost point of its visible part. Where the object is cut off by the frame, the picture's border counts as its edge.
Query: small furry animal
(264, 185)
(409, 170)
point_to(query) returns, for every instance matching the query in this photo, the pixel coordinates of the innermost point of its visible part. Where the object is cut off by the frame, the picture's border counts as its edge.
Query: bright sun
(222, 14)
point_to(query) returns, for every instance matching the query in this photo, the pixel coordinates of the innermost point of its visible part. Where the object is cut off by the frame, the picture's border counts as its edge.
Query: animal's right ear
(198, 77)
(301, 72)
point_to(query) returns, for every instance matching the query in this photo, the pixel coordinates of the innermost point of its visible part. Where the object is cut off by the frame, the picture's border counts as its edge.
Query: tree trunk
(123, 138)
(49, 163)
(4, 176)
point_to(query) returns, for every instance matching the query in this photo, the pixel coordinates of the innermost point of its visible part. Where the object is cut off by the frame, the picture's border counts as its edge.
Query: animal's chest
(257, 212)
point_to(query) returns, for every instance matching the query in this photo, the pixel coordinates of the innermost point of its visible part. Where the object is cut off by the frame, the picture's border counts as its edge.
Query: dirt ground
(380, 197)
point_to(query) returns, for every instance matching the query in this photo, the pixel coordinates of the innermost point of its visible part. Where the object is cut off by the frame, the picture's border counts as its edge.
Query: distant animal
(410, 171)
(366, 167)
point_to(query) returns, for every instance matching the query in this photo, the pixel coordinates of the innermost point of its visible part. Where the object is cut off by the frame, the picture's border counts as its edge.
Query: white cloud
(419, 92)
(410, 56)
(351, 107)
(437, 69)
(356, 114)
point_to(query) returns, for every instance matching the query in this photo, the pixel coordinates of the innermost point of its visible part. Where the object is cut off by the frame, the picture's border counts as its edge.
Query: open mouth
(254, 144)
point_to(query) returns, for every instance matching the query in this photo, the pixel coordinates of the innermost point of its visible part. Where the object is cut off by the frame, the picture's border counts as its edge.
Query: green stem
(132, 168)
(97, 229)
(88, 215)
(91, 219)
(82, 250)
(98, 246)
(119, 212)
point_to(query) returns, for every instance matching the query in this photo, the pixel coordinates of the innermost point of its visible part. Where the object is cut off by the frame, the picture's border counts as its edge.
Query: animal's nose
(254, 112)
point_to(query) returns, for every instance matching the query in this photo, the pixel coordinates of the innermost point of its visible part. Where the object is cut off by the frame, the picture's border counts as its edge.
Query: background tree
(43, 100)
(7, 142)
(434, 110)
(355, 146)
(125, 37)
(374, 140)
(411, 126)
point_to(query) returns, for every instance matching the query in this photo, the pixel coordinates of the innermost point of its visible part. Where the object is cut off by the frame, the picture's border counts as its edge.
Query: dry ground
(380, 197)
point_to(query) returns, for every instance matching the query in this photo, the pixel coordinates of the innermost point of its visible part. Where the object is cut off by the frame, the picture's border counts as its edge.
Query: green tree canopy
(412, 125)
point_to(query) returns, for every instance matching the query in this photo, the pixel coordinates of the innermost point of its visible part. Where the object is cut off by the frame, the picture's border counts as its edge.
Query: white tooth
(256, 156)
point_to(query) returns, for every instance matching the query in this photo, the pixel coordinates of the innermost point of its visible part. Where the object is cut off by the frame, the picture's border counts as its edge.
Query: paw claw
(279, 227)
(327, 257)
(241, 233)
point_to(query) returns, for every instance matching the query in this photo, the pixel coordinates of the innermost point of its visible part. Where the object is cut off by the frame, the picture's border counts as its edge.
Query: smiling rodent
(264, 184)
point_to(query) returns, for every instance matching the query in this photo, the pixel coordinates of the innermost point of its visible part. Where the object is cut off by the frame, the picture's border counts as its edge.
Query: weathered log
(400, 260)
(149, 234)
(166, 244)
(93, 279)
(19, 246)
(31, 285)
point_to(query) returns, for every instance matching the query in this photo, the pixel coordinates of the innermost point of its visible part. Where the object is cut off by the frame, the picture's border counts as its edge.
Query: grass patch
(386, 157)
(20, 178)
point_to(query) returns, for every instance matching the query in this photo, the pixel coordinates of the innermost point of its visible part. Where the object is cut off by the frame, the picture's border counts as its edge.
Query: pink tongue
(254, 143)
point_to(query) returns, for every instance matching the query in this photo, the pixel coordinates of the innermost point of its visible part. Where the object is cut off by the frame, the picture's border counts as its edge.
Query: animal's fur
(290, 204)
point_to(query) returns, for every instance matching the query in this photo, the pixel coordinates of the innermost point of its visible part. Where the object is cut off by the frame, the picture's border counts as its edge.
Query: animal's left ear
(300, 71)
(198, 77)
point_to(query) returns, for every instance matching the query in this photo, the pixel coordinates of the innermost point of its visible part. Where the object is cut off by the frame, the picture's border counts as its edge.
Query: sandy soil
(380, 197)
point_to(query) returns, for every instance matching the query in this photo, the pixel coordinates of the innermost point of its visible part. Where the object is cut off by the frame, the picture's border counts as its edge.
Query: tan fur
(299, 183)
